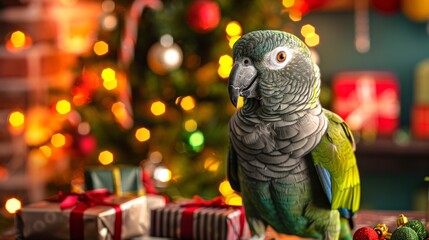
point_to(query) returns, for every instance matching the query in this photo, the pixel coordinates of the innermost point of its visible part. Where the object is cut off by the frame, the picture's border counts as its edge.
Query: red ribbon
(81, 202)
(186, 223)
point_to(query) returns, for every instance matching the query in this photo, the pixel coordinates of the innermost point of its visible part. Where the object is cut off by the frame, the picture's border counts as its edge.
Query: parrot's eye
(278, 58)
(281, 56)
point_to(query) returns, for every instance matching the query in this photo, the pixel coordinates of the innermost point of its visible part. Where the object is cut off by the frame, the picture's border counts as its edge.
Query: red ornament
(306, 6)
(365, 233)
(203, 15)
(387, 6)
(84, 145)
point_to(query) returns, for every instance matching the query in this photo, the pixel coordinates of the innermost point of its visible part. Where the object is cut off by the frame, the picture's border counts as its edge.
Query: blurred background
(144, 83)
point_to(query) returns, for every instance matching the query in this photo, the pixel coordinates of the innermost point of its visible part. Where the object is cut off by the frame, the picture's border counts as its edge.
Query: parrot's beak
(242, 81)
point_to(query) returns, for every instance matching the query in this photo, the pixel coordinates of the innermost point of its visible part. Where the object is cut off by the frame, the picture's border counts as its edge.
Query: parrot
(291, 160)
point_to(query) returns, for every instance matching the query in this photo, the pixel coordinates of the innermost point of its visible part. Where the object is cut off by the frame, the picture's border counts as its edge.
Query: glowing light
(142, 134)
(47, 151)
(108, 6)
(187, 103)
(191, 125)
(16, 119)
(108, 74)
(63, 107)
(83, 128)
(307, 30)
(105, 157)
(225, 66)
(196, 140)
(233, 29)
(225, 188)
(58, 140)
(101, 48)
(312, 40)
(288, 3)
(211, 164)
(224, 71)
(295, 16)
(110, 22)
(234, 200)
(162, 174)
(157, 108)
(17, 39)
(110, 85)
(232, 41)
(225, 60)
(12, 205)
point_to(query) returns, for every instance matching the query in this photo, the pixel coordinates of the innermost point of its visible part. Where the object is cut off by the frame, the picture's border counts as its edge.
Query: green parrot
(291, 160)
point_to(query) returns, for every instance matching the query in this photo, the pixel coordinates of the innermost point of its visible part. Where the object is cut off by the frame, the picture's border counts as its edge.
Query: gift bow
(198, 202)
(82, 201)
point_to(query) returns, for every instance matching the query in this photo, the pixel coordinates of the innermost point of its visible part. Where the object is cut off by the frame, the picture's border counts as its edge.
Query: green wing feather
(335, 153)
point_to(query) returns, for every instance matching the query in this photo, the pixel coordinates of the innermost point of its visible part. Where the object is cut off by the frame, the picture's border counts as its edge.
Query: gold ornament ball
(416, 10)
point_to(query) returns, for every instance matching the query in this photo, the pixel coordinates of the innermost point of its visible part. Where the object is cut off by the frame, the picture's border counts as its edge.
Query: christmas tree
(153, 90)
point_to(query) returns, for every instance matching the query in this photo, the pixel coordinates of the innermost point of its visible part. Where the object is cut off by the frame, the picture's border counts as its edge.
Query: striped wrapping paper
(209, 223)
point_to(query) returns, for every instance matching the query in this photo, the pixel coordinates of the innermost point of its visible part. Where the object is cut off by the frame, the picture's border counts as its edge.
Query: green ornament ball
(418, 227)
(404, 233)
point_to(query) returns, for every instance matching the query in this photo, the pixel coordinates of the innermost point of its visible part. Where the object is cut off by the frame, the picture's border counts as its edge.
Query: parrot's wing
(232, 169)
(336, 165)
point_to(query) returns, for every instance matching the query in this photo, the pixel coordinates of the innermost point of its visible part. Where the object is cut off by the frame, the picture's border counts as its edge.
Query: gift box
(200, 219)
(121, 180)
(92, 215)
(368, 101)
(420, 121)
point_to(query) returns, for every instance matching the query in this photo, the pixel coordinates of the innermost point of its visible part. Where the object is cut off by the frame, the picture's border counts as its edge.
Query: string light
(307, 29)
(58, 140)
(157, 108)
(12, 205)
(162, 174)
(288, 3)
(312, 40)
(187, 103)
(233, 28)
(225, 66)
(16, 119)
(142, 134)
(196, 140)
(105, 157)
(101, 48)
(211, 164)
(47, 151)
(190, 125)
(63, 107)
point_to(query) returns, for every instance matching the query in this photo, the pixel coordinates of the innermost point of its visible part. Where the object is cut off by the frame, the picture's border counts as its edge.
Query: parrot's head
(276, 68)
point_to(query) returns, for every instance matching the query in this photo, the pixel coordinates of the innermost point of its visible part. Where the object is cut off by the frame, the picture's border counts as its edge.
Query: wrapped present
(200, 219)
(368, 101)
(93, 215)
(122, 180)
(420, 121)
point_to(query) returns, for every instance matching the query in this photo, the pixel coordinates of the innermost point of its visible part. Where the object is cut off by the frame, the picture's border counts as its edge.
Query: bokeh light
(142, 134)
(105, 157)
(63, 107)
(187, 103)
(58, 140)
(108, 74)
(307, 29)
(190, 125)
(17, 39)
(211, 164)
(312, 40)
(162, 174)
(234, 200)
(46, 150)
(101, 48)
(157, 108)
(233, 28)
(196, 140)
(288, 3)
(16, 119)
(12, 205)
